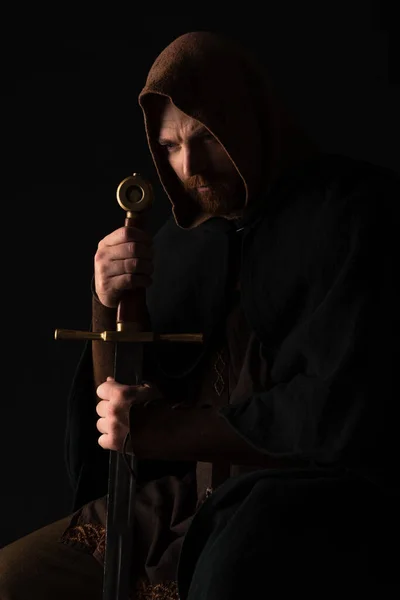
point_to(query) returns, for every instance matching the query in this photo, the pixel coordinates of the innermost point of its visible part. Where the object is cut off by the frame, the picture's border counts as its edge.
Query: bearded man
(267, 455)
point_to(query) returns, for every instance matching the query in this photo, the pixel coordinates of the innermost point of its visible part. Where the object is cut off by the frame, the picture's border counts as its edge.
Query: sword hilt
(135, 195)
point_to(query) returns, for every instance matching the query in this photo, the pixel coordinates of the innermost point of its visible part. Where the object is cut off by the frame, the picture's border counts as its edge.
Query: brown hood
(213, 80)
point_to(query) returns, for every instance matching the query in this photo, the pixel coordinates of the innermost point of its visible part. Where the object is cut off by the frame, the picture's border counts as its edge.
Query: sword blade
(121, 492)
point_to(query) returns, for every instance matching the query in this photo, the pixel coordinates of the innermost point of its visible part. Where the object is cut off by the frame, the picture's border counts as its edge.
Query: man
(267, 455)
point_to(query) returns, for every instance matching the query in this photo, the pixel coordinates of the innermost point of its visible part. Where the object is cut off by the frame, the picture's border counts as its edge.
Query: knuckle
(131, 248)
(113, 429)
(124, 283)
(98, 257)
(100, 245)
(101, 272)
(111, 410)
(113, 425)
(129, 265)
(126, 394)
(126, 234)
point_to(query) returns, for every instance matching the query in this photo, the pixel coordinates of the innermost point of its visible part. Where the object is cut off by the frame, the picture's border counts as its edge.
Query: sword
(135, 195)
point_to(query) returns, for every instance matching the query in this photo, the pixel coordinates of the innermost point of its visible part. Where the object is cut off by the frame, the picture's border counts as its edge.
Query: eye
(169, 146)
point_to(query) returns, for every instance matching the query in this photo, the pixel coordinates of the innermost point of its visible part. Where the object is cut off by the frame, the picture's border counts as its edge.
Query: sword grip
(132, 309)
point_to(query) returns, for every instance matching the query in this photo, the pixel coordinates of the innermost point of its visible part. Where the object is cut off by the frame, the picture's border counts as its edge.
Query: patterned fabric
(211, 386)
(219, 368)
(88, 536)
(92, 538)
(167, 590)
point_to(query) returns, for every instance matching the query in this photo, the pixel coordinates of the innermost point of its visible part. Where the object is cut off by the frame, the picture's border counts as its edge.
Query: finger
(101, 425)
(142, 250)
(126, 234)
(102, 408)
(139, 266)
(101, 442)
(102, 392)
(108, 442)
(114, 394)
(110, 392)
(109, 389)
(105, 442)
(129, 281)
(117, 269)
(107, 257)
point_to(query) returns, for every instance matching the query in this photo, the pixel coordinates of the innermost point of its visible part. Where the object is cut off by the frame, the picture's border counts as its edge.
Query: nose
(193, 160)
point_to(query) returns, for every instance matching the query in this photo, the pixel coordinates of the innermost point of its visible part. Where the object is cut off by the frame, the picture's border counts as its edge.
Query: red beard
(220, 199)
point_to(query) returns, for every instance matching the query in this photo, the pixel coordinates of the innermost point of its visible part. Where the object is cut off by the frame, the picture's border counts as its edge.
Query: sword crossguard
(127, 336)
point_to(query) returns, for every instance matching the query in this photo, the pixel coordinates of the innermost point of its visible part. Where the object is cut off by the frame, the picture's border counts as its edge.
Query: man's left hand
(113, 410)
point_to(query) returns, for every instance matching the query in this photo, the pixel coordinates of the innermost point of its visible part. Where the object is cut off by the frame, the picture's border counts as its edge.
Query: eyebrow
(163, 141)
(197, 133)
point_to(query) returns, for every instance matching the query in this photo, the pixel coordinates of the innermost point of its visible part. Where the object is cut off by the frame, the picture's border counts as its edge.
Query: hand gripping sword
(135, 195)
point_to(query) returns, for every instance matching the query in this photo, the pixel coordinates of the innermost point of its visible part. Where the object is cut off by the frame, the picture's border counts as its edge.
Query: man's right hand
(123, 261)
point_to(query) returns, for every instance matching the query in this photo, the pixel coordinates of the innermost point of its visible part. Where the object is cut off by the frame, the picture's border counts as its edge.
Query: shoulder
(329, 188)
(323, 213)
(364, 193)
(352, 178)
(344, 176)
(347, 175)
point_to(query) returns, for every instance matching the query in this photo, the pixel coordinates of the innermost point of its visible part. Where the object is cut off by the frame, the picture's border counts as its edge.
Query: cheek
(175, 165)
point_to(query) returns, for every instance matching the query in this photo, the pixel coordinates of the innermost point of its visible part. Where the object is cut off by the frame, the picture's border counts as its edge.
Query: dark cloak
(319, 259)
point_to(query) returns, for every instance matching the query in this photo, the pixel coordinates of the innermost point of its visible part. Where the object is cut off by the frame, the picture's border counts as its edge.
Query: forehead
(173, 122)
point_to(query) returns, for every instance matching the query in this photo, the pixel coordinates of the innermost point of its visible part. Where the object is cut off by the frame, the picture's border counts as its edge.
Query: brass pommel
(134, 193)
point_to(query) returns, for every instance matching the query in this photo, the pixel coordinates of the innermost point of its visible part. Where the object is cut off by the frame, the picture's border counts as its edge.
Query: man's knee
(40, 566)
(24, 560)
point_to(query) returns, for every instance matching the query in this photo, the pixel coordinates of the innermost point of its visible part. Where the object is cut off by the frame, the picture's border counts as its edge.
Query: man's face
(201, 163)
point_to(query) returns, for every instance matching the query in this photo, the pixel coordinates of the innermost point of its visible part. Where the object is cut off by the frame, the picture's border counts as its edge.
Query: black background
(72, 130)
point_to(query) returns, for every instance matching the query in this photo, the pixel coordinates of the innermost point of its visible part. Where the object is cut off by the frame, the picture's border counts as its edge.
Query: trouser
(40, 567)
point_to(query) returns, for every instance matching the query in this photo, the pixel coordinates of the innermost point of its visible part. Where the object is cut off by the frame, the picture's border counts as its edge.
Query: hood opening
(213, 80)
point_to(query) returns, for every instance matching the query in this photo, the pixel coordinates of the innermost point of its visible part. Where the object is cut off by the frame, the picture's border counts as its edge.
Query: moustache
(196, 181)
